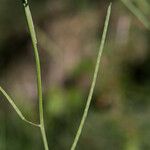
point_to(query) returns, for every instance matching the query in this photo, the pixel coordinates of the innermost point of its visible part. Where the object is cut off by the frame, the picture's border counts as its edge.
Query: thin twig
(93, 81)
(16, 108)
(38, 69)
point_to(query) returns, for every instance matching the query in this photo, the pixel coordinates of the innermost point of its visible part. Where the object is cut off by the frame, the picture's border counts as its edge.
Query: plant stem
(38, 70)
(93, 81)
(137, 13)
(16, 108)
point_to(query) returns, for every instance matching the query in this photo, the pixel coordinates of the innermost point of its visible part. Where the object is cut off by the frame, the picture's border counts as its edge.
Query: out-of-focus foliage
(68, 36)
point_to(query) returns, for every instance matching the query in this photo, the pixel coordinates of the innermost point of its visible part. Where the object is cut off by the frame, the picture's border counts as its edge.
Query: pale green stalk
(39, 82)
(137, 13)
(38, 70)
(93, 81)
(16, 108)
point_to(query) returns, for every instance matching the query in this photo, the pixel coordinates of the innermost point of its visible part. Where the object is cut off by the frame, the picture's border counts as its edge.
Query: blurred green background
(69, 32)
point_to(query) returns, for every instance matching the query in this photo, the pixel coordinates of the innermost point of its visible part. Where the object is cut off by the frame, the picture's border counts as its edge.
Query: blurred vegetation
(68, 35)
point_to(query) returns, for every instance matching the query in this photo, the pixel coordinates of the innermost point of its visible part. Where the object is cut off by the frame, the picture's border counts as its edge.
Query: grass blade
(137, 13)
(93, 81)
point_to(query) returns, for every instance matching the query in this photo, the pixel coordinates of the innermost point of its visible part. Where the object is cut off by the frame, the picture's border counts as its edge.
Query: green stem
(38, 70)
(93, 81)
(16, 108)
(137, 13)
